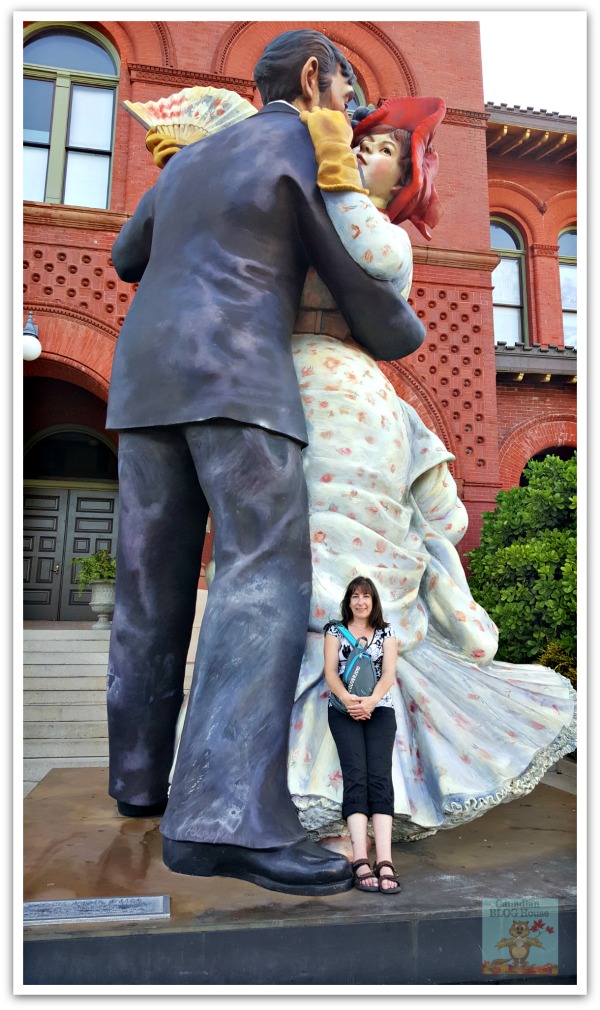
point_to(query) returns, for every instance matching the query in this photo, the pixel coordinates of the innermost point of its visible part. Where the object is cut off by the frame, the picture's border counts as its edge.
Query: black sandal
(387, 876)
(365, 876)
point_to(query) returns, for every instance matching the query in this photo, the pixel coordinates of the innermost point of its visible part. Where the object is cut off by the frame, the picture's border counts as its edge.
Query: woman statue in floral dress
(471, 732)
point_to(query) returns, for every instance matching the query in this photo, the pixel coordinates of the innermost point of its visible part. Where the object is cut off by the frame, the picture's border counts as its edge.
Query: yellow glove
(161, 147)
(331, 135)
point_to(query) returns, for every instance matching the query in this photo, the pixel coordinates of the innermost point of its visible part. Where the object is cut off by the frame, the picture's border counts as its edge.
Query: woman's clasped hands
(359, 708)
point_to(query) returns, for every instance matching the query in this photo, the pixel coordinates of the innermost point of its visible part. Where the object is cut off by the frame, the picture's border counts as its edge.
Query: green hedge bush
(560, 660)
(524, 572)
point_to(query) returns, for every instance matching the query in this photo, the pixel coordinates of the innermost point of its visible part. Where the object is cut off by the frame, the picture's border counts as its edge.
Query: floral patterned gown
(471, 732)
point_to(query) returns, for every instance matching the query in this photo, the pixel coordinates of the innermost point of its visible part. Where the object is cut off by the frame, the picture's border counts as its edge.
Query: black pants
(230, 782)
(365, 752)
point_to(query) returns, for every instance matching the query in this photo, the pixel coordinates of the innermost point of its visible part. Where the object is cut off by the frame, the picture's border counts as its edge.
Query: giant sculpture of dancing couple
(471, 732)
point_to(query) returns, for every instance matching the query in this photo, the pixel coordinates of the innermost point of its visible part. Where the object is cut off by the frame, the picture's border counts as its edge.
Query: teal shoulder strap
(347, 634)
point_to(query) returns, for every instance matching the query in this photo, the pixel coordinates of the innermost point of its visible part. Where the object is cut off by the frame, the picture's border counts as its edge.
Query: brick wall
(532, 418)
(48, 402)
(524, 401)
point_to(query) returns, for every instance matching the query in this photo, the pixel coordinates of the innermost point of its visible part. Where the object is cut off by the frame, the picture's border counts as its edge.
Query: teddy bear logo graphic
(519, 944)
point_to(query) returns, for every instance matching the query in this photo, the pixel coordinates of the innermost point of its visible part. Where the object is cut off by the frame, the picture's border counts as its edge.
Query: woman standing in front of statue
(364, 734)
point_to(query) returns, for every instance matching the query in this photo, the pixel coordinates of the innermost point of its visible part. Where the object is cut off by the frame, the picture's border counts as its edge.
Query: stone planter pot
(103, 602)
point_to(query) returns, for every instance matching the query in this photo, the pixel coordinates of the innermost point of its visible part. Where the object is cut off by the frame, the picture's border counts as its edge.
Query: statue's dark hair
(368, 586)
(277, 73)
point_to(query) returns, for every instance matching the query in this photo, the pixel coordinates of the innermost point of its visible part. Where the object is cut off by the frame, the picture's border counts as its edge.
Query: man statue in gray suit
(206, 401)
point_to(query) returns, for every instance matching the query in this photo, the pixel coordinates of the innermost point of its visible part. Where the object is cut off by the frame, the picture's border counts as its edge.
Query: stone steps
(67, 713)
(72, 681)
(81, 747)
(50, 731)
(65, 670)
(64, 696)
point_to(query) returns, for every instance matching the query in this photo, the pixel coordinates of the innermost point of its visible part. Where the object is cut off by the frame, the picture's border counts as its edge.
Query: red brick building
(495, 376)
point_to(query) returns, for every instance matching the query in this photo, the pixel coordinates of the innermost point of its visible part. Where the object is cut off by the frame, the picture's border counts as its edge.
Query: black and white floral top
(374, 648)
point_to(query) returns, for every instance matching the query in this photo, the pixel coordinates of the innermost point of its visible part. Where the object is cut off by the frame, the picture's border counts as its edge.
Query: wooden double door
(61, 524)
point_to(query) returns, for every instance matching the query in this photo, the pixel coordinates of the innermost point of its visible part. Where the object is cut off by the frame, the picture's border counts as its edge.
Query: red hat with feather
(418, 201)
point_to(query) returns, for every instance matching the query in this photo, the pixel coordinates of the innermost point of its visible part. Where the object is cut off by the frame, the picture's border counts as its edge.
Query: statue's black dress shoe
(302, 868)
(132, 810)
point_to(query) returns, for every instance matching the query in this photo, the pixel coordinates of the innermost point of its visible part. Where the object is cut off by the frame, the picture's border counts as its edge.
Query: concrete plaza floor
(225, 931)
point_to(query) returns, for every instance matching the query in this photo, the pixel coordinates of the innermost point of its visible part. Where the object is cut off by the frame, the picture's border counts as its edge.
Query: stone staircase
(64, 707)
(64, 695)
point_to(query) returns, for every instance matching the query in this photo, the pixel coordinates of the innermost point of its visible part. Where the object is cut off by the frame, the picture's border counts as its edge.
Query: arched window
(70, 78)
(567, 264)
(508, 284)
(70, 452)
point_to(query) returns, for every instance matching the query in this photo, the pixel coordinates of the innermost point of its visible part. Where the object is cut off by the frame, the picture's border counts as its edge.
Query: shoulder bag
(359, 677)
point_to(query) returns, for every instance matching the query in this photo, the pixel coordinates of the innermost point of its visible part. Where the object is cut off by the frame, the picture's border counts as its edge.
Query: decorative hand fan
(192, 113)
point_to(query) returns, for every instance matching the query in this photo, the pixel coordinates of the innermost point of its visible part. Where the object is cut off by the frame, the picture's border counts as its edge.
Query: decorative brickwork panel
(538, 249)
(451, 381)
(452, 365)
(81, 281)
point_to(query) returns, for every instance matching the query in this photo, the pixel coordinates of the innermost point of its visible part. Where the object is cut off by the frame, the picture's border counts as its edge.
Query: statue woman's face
(378, 156)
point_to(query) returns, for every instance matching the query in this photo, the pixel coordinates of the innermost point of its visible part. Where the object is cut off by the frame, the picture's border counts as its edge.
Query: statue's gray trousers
(230, 782)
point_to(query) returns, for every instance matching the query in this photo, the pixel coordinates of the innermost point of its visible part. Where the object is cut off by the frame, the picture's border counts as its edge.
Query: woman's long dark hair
(376, 616)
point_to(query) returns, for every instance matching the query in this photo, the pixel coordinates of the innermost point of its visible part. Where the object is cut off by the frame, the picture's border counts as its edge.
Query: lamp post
(31, 345)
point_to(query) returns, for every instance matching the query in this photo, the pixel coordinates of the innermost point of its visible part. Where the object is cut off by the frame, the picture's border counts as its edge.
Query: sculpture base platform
(227, 932)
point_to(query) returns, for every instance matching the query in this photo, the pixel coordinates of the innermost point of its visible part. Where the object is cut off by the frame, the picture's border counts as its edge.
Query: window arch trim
(512, 231)
(517, 256)
(570, 229)
(65, 428)
(94, 36)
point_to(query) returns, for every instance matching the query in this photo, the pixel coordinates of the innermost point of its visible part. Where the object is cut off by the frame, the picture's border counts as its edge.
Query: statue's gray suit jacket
(220, 247)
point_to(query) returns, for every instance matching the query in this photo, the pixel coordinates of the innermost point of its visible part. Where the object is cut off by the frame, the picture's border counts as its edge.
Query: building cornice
(177, 79)
(555, 122)
(466, 117)
(536, 360)
(461, 259)
(61, 216)
(535, 136)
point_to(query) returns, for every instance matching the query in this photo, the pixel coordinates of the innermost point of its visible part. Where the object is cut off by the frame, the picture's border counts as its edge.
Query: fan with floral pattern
(193, 113)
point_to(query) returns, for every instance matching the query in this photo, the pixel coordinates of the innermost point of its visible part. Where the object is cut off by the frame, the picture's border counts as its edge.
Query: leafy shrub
(524, 572)
(96, 567)
(560, 660)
